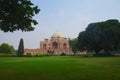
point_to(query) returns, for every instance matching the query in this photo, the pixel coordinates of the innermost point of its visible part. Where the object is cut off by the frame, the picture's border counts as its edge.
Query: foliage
(28, 55)
(103, 54)
(100, 36)
(17, 15)
(41, 55)
(6, 48)
(74, 45)
(21, 48)
(7, 55)
(50, 52)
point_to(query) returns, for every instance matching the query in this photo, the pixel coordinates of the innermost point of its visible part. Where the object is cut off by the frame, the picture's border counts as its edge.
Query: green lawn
(59, 68)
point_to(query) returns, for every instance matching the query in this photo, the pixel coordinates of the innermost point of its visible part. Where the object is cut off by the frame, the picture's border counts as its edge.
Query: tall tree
(17, 15)
(20, 48)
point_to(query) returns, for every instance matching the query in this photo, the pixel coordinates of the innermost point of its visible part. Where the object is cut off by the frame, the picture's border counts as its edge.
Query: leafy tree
(74, 45)
(20, 48)
(6, 48)
(12, 49)
(83, 41)
(101, 36)
(17, 15)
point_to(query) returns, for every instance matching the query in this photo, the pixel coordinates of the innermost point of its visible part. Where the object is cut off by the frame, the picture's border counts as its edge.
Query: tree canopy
(17, 15)
(101, 36)
(6, 48)
(74, 45)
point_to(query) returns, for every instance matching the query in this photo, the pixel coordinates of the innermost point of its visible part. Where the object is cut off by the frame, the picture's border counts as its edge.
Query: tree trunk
(97, 50)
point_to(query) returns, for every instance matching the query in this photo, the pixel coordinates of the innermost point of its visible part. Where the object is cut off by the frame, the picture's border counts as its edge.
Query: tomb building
(56, 45)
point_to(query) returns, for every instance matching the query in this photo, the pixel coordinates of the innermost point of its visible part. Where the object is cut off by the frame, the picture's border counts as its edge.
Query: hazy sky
(67, 16)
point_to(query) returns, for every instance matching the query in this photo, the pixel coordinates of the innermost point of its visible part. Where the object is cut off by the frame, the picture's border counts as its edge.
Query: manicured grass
(59, 68)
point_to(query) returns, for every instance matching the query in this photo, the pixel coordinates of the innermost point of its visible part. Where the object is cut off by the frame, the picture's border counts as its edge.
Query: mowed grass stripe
(59, 68)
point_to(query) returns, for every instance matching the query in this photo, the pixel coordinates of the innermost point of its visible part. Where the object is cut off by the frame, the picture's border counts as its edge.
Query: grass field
(60, 68)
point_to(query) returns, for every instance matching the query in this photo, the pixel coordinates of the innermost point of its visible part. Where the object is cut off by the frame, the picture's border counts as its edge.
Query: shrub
(7, 55)
(85, 55)
(103, 54)
(28, 55)
(41, 54)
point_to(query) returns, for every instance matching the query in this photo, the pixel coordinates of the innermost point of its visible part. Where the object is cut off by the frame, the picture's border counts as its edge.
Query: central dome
(58, 34)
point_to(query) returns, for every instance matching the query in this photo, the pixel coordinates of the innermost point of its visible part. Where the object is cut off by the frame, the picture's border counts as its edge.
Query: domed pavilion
(57, 45)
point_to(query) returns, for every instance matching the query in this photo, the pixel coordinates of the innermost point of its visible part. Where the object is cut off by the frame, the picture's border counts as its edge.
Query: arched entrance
(55, 45)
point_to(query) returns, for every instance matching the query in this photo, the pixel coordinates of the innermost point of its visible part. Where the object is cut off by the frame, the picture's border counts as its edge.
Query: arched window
(44, 46)
(64, 45)
(55, 45)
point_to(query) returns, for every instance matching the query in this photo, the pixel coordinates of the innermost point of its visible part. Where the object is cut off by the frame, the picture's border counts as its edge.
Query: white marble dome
(58, 34)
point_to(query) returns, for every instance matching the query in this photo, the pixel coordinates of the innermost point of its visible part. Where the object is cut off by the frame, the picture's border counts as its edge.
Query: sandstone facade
(56, 45)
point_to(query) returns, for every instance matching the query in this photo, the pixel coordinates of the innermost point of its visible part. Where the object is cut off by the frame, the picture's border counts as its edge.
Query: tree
(6, 48)
(12, 49)
(74, 45)
(17, 15)
(83, 41)
(21, 48)
(101, 36)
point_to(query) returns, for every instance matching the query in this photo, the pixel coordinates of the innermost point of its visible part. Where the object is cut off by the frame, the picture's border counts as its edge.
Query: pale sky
(67, 16)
